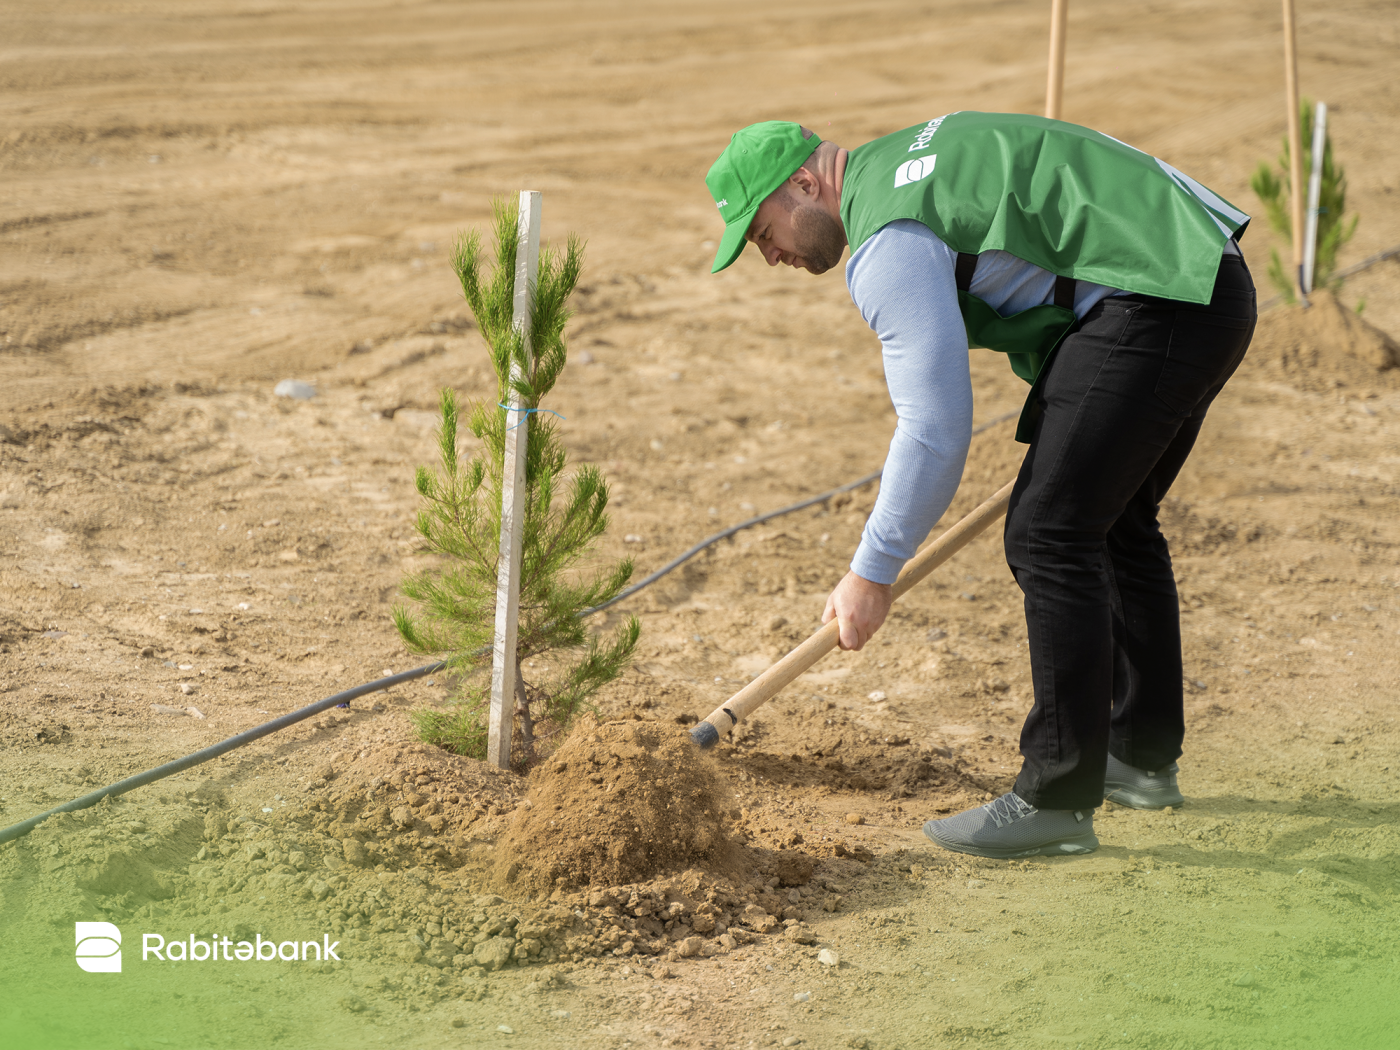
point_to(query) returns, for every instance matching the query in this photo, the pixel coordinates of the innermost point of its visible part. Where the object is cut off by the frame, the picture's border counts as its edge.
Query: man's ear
(806, 183)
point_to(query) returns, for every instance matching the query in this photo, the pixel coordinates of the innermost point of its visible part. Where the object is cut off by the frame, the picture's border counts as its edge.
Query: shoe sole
(1060, 848)
(1125, 796)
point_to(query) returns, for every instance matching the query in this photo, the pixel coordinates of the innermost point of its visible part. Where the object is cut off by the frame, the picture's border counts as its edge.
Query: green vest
(1069, 200)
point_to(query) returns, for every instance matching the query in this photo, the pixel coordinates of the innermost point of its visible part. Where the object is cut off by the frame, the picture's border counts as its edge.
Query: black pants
(1124, 400)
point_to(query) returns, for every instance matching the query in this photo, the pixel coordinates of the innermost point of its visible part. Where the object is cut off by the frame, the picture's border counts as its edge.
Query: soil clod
(619, 802)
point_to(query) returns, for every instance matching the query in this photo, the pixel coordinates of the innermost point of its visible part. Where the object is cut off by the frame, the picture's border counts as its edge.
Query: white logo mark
(914, 170)
(99, 947)
(721, 204)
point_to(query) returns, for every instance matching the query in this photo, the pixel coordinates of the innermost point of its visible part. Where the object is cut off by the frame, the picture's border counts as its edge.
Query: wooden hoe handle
(776, 678)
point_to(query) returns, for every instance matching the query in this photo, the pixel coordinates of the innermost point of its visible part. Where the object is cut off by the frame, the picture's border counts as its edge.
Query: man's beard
(818, 238)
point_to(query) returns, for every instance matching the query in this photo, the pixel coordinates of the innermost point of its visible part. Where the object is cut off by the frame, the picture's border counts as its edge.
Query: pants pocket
(1202, 352)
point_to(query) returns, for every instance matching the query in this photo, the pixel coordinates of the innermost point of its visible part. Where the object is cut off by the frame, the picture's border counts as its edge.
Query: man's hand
(860, 607)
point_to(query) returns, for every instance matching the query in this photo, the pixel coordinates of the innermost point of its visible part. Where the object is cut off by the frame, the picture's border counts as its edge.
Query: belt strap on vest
(962, 273)
(967, 266)
(1064, 292)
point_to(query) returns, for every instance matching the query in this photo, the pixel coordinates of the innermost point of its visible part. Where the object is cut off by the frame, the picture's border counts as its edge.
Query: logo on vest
(915, 170)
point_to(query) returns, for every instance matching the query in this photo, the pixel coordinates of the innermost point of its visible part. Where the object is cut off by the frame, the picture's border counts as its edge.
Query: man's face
(789, 228)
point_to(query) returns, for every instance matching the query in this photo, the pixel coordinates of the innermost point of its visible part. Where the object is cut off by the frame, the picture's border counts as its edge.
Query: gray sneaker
(1141, 788)
(1010, 827)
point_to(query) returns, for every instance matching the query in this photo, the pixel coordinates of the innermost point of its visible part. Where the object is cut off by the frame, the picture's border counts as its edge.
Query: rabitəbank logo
(914, 170)
(99, 947)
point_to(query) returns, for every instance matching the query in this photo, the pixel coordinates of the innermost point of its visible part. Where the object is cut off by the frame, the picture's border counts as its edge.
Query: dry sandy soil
(199, 200)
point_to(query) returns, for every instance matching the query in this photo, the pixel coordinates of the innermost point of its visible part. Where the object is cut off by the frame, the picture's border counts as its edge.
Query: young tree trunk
(527, 721)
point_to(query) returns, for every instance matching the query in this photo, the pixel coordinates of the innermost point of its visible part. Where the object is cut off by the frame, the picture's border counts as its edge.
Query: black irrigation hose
(759, 520)
(1367, 263)
(710, 541)
(121, 787)
(1364, 264)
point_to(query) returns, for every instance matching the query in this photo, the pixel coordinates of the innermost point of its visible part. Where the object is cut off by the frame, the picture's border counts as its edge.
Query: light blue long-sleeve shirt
(902, 282)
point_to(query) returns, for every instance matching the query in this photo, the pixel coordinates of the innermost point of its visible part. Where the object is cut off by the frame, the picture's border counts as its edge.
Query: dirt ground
(200, 200)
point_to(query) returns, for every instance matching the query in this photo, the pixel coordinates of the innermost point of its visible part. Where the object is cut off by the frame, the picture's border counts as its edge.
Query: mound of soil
(620, 802)
(1326, 346)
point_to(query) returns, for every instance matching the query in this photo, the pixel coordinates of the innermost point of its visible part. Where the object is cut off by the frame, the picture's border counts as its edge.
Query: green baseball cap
(756, 162)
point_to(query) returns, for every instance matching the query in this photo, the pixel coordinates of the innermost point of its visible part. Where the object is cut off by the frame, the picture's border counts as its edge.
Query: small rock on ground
(494, 953)
(295, 389)
(800, 935)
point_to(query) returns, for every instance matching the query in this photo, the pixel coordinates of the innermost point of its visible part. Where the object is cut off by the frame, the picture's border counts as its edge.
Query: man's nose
(772, 254)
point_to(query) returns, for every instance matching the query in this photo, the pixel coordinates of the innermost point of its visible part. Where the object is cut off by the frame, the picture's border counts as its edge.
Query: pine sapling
(1333, 231)
(560, 662)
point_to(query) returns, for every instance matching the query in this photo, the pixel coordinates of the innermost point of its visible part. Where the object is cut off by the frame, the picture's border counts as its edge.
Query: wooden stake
(1055, 83)
(772, 681)
(1319, 150)
(503, 664)
(1295, 137)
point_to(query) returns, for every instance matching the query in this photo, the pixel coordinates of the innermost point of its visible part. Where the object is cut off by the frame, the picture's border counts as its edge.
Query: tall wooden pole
(1055, 81)
(503, 664)
(1295, 138)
